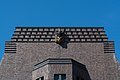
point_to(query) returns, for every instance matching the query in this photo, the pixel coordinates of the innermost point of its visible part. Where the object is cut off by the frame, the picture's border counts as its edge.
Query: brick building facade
(59, 53)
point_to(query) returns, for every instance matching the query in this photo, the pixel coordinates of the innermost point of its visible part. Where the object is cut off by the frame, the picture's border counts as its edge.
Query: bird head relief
(59, 37)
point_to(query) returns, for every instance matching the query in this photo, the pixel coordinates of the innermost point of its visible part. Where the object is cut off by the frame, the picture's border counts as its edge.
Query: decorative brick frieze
(84, 34)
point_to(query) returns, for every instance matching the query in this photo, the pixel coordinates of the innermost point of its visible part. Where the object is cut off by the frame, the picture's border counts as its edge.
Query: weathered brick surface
(89, 54)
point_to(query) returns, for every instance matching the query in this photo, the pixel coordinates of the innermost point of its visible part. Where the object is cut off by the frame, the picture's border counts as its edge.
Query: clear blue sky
(104, 13)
